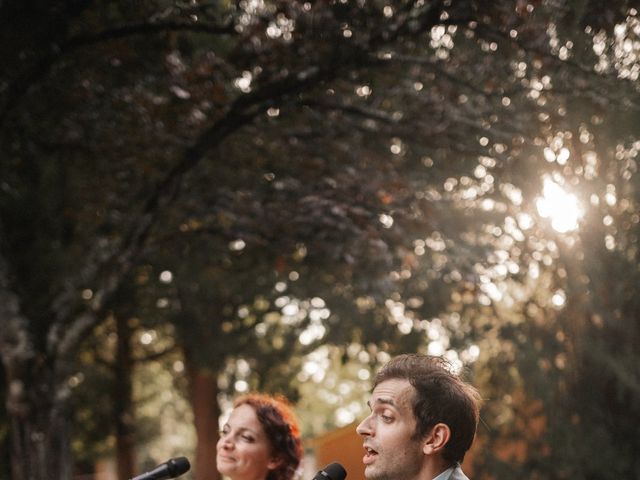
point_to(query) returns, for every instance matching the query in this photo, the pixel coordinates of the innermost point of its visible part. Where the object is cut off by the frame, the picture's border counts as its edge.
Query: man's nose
(364, 428)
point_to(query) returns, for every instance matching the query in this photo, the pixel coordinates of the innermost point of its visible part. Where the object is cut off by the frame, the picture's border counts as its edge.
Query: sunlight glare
(241, 386)
(344, 417)
(560, 207)
(435, 348)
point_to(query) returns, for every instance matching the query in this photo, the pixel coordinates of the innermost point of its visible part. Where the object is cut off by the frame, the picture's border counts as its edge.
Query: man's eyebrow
(383, 401)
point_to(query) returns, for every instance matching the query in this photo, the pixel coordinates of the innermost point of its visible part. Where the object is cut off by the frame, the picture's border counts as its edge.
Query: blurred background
(202, 198)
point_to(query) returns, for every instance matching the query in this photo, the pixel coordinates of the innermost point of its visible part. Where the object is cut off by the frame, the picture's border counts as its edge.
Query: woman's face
(244, 451)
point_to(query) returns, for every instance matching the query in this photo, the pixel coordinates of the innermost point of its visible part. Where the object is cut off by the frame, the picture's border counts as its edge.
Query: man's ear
(435, 441)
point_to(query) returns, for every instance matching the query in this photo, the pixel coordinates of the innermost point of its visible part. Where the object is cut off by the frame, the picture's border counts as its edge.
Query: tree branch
(16, 345)
(88, 39)
(117, 260)
(19, 87)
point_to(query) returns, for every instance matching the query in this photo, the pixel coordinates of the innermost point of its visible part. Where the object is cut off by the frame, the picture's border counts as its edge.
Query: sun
(562, 208)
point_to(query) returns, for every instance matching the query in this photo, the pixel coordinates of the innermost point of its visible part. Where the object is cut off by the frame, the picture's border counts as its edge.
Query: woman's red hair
(276, 416)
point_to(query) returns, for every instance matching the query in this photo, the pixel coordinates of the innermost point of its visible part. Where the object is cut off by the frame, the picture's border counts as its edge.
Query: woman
(260, 441)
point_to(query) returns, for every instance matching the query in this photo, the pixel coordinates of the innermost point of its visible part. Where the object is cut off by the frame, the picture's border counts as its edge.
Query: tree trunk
(40, 428)
(123, 410)
(206, 412)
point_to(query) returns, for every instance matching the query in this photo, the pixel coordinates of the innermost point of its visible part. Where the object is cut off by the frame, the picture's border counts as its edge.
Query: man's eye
(385, 417)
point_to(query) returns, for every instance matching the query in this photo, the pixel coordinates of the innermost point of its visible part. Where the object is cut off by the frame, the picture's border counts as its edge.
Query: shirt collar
(446, 474)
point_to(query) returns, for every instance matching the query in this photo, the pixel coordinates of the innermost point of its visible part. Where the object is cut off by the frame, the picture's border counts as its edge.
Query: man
(422, 422)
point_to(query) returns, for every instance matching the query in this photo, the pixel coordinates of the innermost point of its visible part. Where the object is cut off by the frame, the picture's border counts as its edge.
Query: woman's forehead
(245, 416)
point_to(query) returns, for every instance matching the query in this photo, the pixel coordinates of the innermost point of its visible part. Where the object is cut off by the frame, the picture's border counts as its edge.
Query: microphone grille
(335, 471)
(178, 466)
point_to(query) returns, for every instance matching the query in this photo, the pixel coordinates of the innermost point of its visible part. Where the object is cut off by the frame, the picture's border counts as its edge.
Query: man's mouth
(369, 455)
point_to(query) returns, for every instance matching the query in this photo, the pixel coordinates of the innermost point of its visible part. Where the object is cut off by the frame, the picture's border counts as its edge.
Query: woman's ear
(274, 463)
(435, 441)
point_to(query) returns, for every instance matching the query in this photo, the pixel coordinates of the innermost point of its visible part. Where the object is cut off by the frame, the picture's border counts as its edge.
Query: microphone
(333, 471)
(172, 468)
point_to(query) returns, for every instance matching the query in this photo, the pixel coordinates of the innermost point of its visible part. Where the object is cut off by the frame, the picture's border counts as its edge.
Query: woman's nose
(226, 441)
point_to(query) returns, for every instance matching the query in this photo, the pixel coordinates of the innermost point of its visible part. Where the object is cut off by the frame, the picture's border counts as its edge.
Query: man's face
(390, 451)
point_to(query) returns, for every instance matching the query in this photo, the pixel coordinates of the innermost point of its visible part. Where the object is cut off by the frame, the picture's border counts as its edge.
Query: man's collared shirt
(445, 475)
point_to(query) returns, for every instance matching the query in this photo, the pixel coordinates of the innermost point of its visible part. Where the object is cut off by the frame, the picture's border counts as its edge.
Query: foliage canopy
(351, 173)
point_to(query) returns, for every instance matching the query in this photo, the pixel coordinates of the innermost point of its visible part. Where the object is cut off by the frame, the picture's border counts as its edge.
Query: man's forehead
(394, 391)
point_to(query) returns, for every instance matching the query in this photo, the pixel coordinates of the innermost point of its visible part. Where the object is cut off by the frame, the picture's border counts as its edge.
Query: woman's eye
(247, 438)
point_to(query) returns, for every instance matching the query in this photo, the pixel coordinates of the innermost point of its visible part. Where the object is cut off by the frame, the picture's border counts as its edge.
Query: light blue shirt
(445, 475)
(453, 473)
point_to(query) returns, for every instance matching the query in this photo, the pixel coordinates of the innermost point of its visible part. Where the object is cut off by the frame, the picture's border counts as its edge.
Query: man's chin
(372, 473)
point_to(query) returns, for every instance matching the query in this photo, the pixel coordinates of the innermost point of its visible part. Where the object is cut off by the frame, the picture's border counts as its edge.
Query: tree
(42, 335)
(110, 114)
